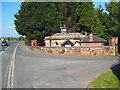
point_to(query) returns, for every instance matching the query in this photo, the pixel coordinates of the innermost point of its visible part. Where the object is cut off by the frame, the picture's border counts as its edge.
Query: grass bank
(109, 79)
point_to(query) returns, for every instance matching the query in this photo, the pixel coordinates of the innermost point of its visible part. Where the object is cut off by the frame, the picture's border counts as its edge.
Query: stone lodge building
(65, 39)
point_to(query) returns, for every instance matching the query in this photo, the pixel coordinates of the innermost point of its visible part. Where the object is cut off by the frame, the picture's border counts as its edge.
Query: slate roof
(67, 42)
(95, 39)
(65, 34)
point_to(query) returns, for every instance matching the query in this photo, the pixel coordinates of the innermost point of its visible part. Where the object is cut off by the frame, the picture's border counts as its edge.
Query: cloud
(11, 27)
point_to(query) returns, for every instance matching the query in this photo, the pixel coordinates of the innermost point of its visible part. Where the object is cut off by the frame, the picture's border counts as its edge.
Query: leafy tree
(87, 19)
(112, 8)
(114, 19)
(66, 11)
(104, 19)
(37, 20)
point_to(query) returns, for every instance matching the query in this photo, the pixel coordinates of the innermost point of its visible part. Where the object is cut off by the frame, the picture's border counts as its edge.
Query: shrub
(27, 42)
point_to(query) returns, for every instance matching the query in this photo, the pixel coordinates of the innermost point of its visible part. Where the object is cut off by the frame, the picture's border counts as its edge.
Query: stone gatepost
(114, 43)
(33, 42)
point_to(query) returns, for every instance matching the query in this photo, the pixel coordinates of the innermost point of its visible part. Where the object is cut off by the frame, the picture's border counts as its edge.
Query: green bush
(27, 42)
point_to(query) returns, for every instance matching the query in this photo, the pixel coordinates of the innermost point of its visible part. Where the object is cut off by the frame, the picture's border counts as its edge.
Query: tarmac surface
(2, 49)
(38, 70)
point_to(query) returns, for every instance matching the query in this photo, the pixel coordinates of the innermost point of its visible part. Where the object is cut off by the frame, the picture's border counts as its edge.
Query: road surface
(2, 49)
(22, 68)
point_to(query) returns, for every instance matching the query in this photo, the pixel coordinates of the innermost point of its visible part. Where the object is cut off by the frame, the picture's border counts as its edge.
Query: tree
(87, 19)
(114, 19)
(112, 8)
(104, 19)
(37, 20)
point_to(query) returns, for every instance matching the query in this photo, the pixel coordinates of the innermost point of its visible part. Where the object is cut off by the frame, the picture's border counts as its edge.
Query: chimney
(85, 33)
(91, 37)
(63, 29)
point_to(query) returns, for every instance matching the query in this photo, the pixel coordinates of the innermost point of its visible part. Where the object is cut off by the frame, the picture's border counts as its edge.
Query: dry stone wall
(81, 51)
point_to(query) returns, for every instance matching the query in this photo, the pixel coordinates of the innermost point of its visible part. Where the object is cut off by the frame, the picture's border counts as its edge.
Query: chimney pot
(91, 37)
(85, 33)
(63, 29)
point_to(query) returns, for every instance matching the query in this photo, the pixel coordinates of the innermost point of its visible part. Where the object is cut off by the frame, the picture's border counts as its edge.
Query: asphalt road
(0, 71)
(2, 49)
(37, 70)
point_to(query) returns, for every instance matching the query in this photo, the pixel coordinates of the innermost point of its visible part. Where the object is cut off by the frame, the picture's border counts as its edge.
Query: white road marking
(1, 52)
(7, 48)
(10, 46)
(10, 80)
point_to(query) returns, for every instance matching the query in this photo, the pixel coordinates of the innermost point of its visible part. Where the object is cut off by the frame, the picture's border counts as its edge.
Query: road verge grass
(105, 80)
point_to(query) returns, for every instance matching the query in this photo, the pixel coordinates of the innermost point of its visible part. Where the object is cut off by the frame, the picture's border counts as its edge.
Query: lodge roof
(66, 34)
(95, 39)
(60, 36)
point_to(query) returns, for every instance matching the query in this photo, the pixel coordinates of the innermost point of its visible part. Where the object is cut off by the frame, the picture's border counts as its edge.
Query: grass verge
(106, 80)
(118, 54)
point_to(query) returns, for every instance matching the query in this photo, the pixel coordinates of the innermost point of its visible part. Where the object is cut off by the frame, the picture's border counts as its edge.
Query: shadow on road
(116, 70)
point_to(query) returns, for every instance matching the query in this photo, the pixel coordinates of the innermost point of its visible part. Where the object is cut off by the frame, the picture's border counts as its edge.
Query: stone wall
(81, 51)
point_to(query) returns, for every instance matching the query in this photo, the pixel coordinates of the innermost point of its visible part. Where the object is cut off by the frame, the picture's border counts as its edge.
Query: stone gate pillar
(114, 43)
(33, 42)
